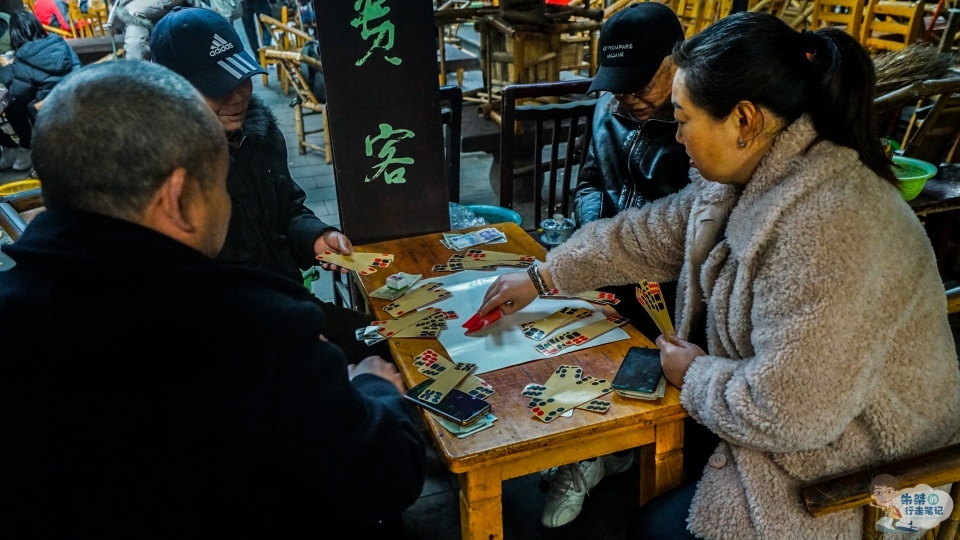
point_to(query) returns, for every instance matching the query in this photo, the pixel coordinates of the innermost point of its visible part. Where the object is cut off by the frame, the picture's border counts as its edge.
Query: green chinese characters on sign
(368, 11)
(390, 137)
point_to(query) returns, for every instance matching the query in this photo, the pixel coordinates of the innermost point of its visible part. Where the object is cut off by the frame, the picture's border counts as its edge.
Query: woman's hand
(676, 355)
(510, 292)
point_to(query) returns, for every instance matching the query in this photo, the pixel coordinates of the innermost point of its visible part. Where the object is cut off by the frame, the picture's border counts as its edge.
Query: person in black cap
(270, 227)
(633, 158)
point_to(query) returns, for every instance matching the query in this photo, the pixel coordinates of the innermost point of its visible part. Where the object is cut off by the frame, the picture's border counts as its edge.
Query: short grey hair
(110, 134)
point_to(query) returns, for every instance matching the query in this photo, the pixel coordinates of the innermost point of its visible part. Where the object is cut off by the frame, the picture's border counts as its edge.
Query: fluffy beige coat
(829, 347)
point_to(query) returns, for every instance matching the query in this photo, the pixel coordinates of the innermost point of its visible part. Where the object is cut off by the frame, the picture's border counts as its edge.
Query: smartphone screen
(640, 371)
(457, 406)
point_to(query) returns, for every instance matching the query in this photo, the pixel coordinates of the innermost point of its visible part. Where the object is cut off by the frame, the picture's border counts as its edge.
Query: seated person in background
(149, 391)
(797, 342)
(52, 13)
(39, 62)
(633, 158)
(270, 227)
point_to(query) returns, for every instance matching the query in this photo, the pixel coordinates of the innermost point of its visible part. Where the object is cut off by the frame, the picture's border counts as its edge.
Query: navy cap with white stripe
(202, 46)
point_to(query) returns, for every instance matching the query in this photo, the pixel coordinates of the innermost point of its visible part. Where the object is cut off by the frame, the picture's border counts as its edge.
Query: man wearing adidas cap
(633, 158)
(270, 228)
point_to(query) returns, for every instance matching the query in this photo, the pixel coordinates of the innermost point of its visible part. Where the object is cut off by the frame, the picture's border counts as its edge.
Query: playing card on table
(480, 262)
(594, 297)
(487, 255)
(432, 364)
(583, 391)
(656, 394)
(581, 335)
(447, 380)
(419, 319)
(416, 298)
(362, 263)
(562, 377)
(538, 330)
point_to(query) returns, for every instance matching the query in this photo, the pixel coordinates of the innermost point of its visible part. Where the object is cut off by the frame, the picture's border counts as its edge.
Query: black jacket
(37, 67)
(149, 392)
(270, 228)
(628, 163)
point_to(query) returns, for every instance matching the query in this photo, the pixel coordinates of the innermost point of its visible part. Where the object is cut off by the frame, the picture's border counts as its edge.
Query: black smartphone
(640, 371)
(457, 406)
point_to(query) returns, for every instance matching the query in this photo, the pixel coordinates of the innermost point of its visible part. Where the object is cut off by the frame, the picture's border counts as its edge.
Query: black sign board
(383, 107)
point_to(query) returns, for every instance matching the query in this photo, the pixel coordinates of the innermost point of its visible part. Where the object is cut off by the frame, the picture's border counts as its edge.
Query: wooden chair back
(90, 24)
(847, 14)
(853, 489)
(559, 130)
(890, 25)
(934, 136)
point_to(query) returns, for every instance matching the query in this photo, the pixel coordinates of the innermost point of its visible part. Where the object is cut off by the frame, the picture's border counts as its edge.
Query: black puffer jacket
(37, 67)
(628, 163)
(270, 228)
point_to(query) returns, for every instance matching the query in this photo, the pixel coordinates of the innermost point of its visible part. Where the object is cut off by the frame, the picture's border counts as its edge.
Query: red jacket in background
(49, 14)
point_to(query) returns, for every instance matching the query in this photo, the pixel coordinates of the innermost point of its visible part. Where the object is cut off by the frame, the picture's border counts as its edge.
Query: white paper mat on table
(502, 344)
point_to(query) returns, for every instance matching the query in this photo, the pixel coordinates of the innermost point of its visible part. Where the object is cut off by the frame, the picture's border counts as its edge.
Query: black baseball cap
(633, 43)
(203, 47)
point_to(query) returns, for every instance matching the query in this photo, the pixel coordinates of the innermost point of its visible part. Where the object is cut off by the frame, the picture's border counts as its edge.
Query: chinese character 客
(390, 137)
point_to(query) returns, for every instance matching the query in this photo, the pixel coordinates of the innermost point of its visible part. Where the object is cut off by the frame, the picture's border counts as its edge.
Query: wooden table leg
(481, 505)
(661, 463)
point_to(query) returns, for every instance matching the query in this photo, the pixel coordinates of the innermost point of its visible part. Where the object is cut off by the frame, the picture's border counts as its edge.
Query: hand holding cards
(640, 375)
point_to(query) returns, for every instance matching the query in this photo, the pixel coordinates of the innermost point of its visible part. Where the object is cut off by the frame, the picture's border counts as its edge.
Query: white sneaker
(568, 490)
(8, 157)
(614, 464)
(23, 161)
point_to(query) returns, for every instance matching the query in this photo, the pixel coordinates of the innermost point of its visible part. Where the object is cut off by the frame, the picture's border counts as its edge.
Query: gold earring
(741, 143)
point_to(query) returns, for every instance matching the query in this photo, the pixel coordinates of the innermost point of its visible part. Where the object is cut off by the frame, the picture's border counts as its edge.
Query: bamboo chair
(306, 103)
(847, 14)
(286, 37)
(890, 25)
(90, 24)
(18, 209)
(695, 15)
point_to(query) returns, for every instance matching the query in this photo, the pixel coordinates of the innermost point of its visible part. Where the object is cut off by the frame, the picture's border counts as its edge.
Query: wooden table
(517, 444)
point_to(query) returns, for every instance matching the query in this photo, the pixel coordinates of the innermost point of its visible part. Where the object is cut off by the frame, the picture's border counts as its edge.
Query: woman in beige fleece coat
(827, 342)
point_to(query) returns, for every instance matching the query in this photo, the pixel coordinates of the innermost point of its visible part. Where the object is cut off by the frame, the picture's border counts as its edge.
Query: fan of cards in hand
(362, 263)
(650, 297)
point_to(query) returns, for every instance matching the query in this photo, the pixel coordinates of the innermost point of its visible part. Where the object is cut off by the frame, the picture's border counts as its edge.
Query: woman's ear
(751, 119)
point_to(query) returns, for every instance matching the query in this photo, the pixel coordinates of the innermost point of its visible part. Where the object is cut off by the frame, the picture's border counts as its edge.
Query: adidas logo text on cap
(219, 45)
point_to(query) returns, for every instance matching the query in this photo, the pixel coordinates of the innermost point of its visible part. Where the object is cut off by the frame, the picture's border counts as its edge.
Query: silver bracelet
(534, 274)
